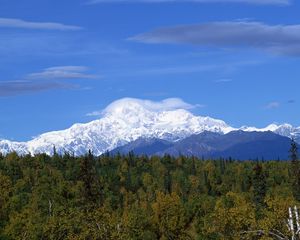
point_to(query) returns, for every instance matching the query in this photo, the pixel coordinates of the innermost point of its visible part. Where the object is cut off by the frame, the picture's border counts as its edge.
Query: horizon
(236, 60)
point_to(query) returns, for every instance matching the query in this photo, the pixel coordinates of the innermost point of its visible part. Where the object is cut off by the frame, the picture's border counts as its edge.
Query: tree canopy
(140, 197)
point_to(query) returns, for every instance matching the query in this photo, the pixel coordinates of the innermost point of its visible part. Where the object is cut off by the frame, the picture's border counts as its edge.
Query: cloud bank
(277, 39)
(257, 2)
(19, 23)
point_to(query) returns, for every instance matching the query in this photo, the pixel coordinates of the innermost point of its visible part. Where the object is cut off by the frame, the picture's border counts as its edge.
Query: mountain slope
(127, 120)
(144, 146)
(237, 144)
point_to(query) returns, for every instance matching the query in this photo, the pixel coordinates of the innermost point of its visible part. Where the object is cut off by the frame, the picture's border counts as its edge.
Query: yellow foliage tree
(169, 217)
(232, 215)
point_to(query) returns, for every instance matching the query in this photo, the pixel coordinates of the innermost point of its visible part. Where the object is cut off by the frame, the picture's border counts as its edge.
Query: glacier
(129, 119)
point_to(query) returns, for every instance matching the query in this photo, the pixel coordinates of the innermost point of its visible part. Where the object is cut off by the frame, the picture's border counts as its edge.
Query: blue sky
(238, 60)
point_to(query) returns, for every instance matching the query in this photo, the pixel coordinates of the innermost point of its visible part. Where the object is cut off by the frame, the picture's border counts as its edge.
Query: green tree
(91, 186)
(295, 170)
(5, 194)
(259, 187)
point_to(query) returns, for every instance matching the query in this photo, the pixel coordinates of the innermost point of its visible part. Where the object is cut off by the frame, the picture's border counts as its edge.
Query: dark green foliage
(294, 151)
(259, 187)
(91, 187)
(137, 197)
(295, 169)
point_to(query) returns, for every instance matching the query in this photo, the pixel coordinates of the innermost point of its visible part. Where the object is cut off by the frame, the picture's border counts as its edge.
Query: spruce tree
(294, 152)
(295, 170)
(259, 187)
(89, 179)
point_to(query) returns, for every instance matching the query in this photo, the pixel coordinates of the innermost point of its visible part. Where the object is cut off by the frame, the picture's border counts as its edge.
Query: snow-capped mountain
(285, 130)
(127, 120)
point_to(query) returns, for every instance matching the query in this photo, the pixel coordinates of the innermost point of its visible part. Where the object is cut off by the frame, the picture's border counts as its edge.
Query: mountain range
(129, 121)
(236, 144)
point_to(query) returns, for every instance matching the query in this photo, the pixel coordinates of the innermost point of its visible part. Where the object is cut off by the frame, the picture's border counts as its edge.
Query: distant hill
(237, 144)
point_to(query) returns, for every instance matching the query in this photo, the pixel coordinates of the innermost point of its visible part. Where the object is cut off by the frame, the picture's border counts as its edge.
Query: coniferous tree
(259, 187)
(294, 151)
(295, 170)
(88, 176)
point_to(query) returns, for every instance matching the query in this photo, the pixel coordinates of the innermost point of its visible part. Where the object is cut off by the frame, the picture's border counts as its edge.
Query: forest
(140, 197)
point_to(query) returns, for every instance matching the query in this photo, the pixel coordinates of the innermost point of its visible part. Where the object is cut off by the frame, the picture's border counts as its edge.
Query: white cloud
(19, 23)
(272, 105)
(168, 104)
(94, 114)
(62, 72)
(257, 2)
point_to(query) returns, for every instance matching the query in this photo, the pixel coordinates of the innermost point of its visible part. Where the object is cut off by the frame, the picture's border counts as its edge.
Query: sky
(61, 61)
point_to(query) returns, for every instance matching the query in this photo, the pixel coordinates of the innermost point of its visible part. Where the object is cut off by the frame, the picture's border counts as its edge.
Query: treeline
(137, 197)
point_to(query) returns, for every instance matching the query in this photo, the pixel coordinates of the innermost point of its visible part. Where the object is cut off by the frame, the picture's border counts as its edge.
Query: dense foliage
(131, 197)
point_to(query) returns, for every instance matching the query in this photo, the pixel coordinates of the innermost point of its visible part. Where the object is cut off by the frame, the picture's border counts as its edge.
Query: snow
(286, 130)
(127, 120)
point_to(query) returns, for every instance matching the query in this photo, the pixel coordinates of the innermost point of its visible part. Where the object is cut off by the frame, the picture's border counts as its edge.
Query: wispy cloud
(95, 114)
(19, 44)
(63, 72)
(177, 70)
(223, 80)
(257, 2)
(19, 87)
(272, 105)
(19, 23)
(224, 68)
(278, 39)
(48, 79)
